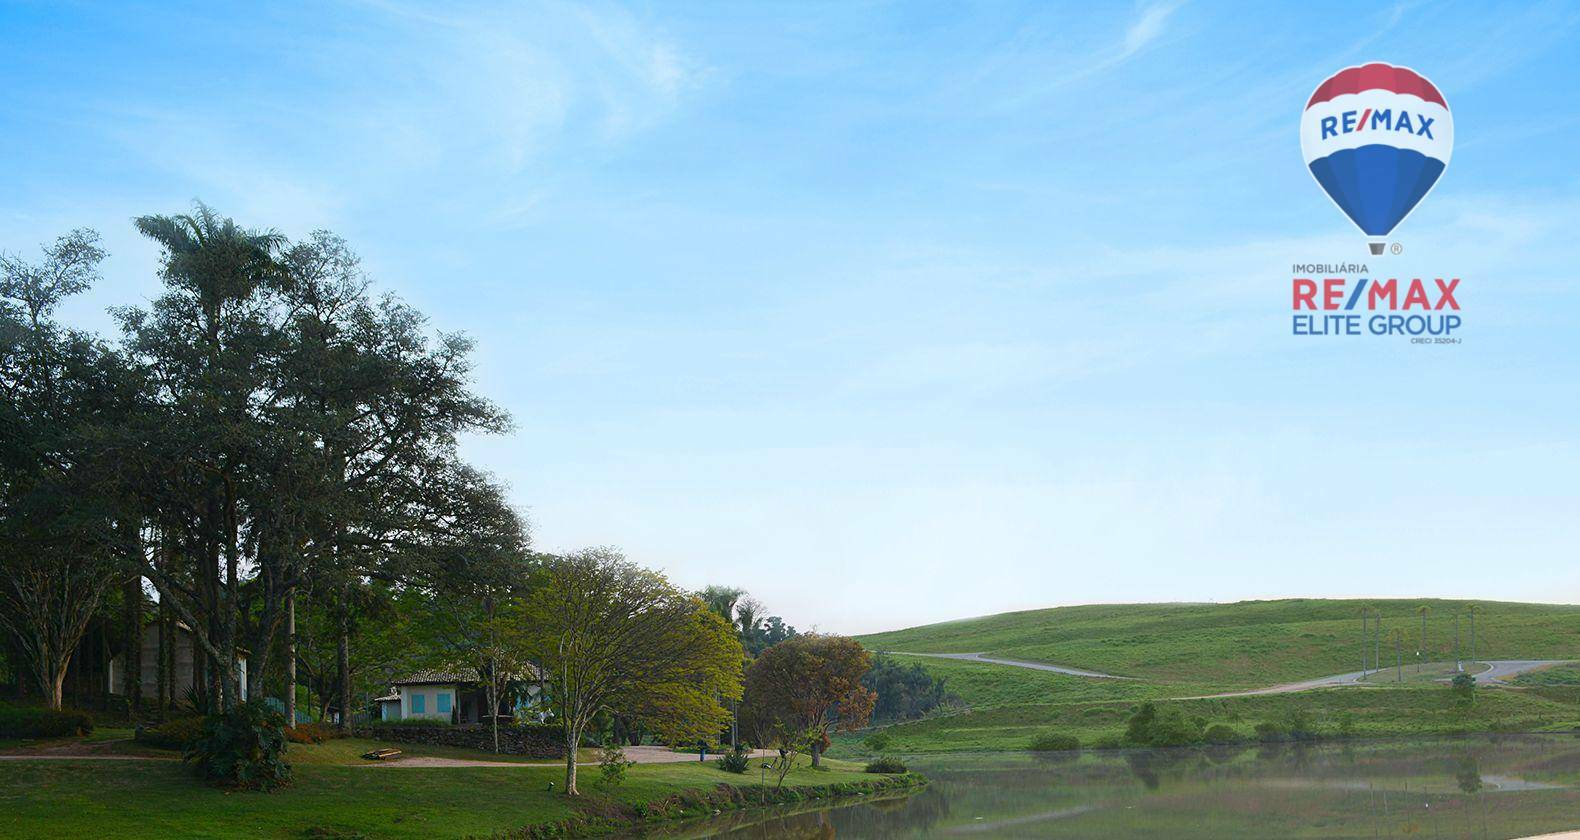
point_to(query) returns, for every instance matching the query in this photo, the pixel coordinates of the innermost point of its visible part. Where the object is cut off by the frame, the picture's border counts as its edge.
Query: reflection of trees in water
(1153, 766)
(881, 818)
(1467, 771)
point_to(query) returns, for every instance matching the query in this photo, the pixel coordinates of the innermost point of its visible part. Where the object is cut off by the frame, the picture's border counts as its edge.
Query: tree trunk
(232, 681)
(817, 752)
(54, 688)
(343, 657)
(132, 660)
(1472, 638)
(167, 664)
(290, 657)
(573, 738)
(1365, 627)
(493, 710)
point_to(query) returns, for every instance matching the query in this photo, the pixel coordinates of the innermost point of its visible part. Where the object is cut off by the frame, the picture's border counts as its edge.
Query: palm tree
(1365, 637)
(1459, 664)
(1377, 641)
(1422, 611)
(1472, 610)
(721, 600)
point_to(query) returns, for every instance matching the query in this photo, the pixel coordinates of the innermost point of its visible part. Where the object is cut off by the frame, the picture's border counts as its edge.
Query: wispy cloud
(1035, 62)
(1149, 24)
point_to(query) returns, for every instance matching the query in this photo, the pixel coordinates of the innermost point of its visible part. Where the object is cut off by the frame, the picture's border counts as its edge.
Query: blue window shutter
(444, 702)
(419, 704)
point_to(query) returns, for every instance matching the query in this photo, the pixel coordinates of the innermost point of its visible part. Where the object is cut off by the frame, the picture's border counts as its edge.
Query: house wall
(431, 695)
(181, 681)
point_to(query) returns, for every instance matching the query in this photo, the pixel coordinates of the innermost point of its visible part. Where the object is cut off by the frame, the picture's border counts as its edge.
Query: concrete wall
(431, 696)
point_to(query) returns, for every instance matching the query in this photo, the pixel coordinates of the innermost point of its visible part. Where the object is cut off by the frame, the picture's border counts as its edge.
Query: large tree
(302, 439)
(615, 637)
(62, 502)
(805, 687)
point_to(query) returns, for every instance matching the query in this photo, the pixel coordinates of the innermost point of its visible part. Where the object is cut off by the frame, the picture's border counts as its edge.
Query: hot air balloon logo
(1377, 137)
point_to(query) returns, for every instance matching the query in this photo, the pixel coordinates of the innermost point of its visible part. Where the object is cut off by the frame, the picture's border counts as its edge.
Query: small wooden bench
(382, 755)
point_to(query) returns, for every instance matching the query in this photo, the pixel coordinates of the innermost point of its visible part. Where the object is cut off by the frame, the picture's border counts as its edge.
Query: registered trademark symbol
(1397, 249)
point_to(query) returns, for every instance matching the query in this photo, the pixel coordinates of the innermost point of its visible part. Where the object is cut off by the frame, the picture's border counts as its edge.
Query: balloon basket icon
(1377, 248)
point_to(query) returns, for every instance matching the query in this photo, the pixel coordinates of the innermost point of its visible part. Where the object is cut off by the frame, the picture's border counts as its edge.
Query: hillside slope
(1246, 644)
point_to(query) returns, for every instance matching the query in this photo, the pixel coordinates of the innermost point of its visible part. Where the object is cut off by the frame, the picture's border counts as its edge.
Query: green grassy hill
(1175, 651)
(1242, 645)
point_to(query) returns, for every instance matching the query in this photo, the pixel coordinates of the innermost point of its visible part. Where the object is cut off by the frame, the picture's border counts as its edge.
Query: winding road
(1014, 663)
(1497, 670)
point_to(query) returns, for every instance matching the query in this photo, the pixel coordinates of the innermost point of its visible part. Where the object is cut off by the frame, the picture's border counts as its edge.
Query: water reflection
(1465, 788)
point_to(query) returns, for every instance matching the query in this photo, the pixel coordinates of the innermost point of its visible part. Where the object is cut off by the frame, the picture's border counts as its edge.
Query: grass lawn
(350, 750)
(157, 799)
(1243, 645)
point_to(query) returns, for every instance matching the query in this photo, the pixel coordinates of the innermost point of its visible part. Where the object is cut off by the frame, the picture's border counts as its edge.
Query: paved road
(1497, 670)
(1014, 663)
(1504, 668)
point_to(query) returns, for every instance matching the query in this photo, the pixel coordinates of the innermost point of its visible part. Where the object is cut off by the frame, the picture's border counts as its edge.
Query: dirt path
(1013, 663)
(74, 750)
(640, 755)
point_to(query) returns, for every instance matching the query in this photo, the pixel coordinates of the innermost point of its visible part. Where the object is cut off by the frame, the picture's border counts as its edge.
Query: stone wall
(532, 741)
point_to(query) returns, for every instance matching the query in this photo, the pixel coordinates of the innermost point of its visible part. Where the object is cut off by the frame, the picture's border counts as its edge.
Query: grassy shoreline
(329, 798)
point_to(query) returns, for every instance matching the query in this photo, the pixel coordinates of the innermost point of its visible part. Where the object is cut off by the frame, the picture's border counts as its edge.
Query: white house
(455, 696)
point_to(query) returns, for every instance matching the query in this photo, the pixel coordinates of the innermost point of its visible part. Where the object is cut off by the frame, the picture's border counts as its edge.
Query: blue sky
(892, 312)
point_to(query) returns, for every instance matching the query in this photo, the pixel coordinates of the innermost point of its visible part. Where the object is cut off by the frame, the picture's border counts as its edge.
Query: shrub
(312, 733)
(878, 741)
(735, 761)
(1297, 722)
(1464, 685)
(36, 722)
(1220, 733)
(243, 748)
(1269, 732)
(412, 722)
(612, 764)
(1108, 742)
(1166, 727)
(1054, 742)
(886, 764)
(173, 734)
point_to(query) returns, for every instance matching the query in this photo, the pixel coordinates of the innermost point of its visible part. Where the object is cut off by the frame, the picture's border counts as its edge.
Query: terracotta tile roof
(455, 675)
(460, 675)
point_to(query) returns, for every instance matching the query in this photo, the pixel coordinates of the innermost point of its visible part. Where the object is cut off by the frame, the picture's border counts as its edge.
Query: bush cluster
(1165, 727)
(242, 748)
(411, 721)
(1054, 742)
(36, 722)
(886, 764)
(312, 733)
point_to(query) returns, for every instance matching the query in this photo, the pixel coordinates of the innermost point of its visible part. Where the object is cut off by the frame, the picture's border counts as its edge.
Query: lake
(1481, 787)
